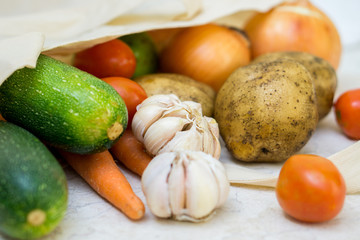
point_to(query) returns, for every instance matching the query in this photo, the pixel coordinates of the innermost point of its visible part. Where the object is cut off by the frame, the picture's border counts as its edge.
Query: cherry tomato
(112, 58)
(130, 91)
(310, 188)
(347, 110)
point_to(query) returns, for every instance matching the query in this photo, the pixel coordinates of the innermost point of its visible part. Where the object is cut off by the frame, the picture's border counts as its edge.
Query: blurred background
(346, 17)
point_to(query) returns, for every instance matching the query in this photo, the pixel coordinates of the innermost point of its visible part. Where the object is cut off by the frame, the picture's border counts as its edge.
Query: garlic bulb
(186, 185)
(164, 123)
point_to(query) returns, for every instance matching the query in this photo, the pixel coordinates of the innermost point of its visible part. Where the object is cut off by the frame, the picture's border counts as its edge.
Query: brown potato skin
(186, 88)
(267, 111)
(323, 74)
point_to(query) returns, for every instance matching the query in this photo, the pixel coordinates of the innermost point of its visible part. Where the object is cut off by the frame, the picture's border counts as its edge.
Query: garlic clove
(188, 139)
(222, 181)
(163, 100)
(154, 185)
(201, 188)
(143, 118)
(211, 138)
(178, 110)
(176, 186)
(194, 106)
(213, 126)
(208, 143)
(161, 132)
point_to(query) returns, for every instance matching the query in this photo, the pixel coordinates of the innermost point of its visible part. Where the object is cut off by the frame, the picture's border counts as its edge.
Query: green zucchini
(33, 186)
(64, 106)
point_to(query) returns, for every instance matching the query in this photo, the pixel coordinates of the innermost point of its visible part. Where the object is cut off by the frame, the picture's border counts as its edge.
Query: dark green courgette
(64, 106)
(33, 187)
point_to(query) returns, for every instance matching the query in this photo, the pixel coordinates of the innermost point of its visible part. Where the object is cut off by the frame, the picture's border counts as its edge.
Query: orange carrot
(100, 171)
(131, 152)
(1, 118)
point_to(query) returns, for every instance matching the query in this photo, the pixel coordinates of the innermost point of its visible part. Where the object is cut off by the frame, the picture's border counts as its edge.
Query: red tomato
(310, 188)
(347, 110)
(112, 58)
(130, 91)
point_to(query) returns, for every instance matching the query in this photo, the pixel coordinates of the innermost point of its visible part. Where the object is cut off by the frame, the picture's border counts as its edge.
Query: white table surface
(249, 213)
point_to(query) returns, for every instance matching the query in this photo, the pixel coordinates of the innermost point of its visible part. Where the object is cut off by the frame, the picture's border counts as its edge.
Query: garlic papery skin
(185, 185)
(164, 123)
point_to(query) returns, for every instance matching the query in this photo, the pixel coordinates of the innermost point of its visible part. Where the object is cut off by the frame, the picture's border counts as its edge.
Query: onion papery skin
(294, 26)
(207, 53)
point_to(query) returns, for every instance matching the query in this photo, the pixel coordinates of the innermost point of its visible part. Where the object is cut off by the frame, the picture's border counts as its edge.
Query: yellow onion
(162, 37)
(208, 53)
(294, 26)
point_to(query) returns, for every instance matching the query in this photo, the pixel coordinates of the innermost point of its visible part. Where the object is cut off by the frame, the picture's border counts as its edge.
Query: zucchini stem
(36, 217)
(114, 131)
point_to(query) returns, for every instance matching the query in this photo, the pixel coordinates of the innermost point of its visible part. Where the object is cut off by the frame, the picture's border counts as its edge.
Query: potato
(323, 74)
(267, 111)
(187, 89)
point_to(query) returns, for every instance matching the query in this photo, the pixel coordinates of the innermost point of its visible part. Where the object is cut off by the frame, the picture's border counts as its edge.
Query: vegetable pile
(158, 102)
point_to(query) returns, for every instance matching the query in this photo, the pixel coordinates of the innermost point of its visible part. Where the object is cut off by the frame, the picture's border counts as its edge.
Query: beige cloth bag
(66, 26)
(58, 27)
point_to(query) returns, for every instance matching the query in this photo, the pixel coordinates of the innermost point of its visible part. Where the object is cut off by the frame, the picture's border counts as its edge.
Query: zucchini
(33, 186)
(63, 106)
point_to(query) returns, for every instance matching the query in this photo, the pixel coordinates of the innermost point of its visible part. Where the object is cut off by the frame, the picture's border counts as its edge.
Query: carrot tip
(140, 214)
